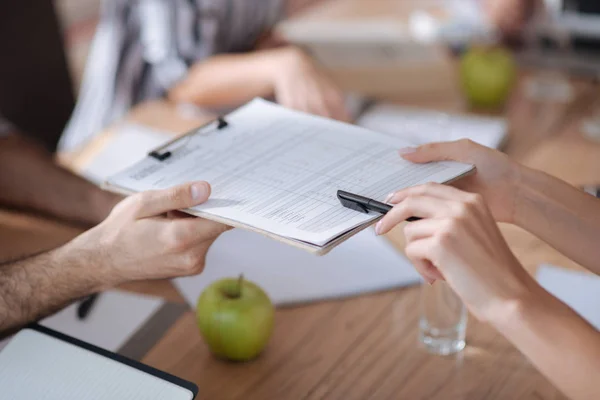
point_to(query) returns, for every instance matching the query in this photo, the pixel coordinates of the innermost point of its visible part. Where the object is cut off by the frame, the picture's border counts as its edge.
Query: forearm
(566, 218)
(561, 345)
(230, 79)
(35, 287)
(30, 179)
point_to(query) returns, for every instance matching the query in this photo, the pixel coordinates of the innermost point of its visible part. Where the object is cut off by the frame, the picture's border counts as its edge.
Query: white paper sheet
(132, 142)
(421, 126)
(374, 55)
(115, 317)
(579, 290)
(366, 263)
(278, 170)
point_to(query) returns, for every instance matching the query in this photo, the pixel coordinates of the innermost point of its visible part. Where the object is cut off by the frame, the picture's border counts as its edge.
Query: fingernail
(378, 228)
(389, 197)
(407, 150)
(199, 191)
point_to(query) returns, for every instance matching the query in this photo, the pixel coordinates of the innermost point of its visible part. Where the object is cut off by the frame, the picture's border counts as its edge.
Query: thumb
(157, 202)
(458, 150)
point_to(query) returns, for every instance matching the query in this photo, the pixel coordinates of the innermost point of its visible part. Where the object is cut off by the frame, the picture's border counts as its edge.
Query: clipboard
(161, 153)
(22, 359)
(264, 115)
(170, 148)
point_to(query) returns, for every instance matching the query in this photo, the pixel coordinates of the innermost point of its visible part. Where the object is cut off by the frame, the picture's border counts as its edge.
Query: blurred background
(517, 75)
(400, 50)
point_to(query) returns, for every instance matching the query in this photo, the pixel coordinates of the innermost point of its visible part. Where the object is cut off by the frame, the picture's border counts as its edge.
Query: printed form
(279, 170)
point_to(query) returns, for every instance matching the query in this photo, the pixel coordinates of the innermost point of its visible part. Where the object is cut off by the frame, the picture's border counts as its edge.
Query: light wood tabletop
(366, 346)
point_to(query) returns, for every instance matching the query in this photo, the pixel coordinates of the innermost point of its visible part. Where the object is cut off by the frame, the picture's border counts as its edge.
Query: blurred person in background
(36, 99)
(31, 180)
(510, 16)
(210, 53)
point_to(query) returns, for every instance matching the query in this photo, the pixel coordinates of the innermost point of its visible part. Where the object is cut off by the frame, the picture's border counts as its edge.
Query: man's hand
(143, 238)
(146, 238)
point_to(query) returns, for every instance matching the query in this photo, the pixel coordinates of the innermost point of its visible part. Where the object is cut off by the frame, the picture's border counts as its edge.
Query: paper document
(278, 171)
(421, 126)
(131, 143)
(374, 55)
(291, 276)
(579, 290)
(115, 317)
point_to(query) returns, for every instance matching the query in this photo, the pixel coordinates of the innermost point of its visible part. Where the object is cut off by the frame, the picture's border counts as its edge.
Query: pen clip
(348, 201)
(162, 153)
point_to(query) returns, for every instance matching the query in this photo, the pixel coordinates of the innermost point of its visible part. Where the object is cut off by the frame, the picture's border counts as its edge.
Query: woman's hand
(299, 84)
(459, 241)
(496, 178)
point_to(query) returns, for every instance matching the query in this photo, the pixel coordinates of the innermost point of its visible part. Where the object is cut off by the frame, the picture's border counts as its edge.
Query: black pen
(364, 204)
(86, 305)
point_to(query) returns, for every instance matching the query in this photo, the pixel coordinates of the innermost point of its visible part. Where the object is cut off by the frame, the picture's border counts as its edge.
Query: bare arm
(285, 73)
(228, 79)
(561, 345)
(141, 239)
(566, 218)
(30, 179)
(459, 241)
(38, 286)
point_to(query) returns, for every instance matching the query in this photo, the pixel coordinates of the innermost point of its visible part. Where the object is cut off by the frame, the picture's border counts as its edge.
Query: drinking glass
(443, 320)
(550, 83)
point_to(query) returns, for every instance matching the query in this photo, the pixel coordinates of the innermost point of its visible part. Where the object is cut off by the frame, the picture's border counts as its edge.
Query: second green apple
(487, 76)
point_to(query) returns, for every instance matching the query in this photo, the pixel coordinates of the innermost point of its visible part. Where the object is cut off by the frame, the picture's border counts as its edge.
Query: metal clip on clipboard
(162, 153)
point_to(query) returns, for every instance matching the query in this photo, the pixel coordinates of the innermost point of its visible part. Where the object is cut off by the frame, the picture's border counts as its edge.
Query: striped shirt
(142, 47)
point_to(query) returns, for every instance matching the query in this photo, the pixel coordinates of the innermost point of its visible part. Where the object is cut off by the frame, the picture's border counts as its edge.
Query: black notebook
(40, 363)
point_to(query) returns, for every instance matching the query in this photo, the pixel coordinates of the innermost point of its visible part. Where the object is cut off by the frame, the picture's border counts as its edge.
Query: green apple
(235, 318)
(487, 75)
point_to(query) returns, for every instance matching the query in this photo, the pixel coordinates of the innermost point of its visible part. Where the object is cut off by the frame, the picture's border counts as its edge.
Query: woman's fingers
(326, 100)
(285, 98)
(414, 206)
(427, 270)
(418, 231)
(421, 229)
(335, 102)
(437, 190)
(318, 103)
(458, 150)
(425, 252)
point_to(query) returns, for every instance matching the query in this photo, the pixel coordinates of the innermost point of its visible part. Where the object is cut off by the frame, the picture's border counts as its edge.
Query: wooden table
(364, 347)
